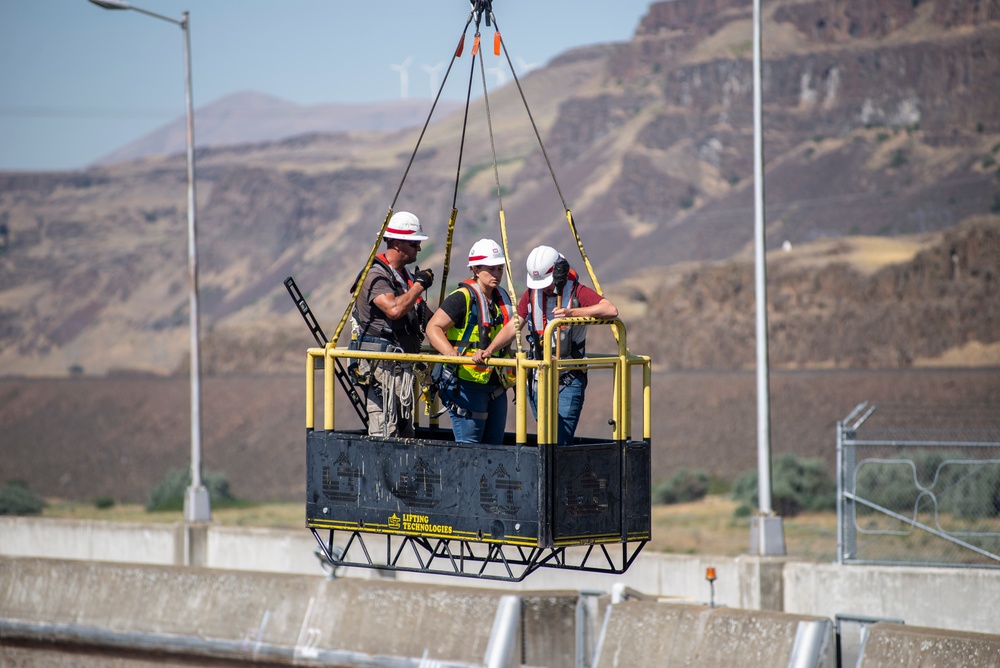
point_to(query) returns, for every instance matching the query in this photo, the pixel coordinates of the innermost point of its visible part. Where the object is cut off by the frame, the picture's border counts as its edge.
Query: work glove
(424, 277)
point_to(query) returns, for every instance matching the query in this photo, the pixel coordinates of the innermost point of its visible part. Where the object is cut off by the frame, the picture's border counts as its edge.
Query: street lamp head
(112, 4)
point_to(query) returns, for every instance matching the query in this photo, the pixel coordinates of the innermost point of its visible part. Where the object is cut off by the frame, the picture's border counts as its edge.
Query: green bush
(17, 499)
(967, 491)
(104, 502)
(169, 493)
(681, 487)
(796, 485)
(973, 492)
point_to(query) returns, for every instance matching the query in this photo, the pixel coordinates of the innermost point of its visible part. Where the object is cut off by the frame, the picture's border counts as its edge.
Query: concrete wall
(946, 598)
(894, 645)
(105, 608)
(254, 616)
(688, 635)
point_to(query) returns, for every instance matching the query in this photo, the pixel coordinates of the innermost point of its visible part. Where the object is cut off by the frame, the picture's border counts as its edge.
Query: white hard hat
(541, 262)
(485, 253)
(404, 225)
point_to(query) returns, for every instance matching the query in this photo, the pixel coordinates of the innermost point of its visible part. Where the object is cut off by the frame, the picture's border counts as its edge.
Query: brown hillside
(881, 120)
(83, 438)
(848, 303)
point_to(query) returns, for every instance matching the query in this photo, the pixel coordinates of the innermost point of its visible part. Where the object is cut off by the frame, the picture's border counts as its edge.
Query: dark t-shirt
(454, 307)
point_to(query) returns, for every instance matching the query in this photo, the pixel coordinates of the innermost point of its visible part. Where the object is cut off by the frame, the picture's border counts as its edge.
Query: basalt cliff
(881, 142)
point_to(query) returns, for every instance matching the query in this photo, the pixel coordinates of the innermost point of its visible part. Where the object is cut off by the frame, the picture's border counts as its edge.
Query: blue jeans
(570, 406)
(478, 412)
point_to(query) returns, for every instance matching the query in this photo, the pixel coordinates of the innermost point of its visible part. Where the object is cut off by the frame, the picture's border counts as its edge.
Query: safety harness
(480, 10)
(479, 329)
(388, 337)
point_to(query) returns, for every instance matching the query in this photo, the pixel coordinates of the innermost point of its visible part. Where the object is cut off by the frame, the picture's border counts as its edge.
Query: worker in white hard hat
(554, 291)
(390, 315)
(466, 322)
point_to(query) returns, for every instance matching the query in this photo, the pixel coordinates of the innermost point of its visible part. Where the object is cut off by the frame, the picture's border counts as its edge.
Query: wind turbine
(404, 76)
(432, 72)
(499, 73)
(524, 66)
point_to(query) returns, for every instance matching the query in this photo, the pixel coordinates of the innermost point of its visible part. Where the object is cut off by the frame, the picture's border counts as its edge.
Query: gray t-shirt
(372, 322)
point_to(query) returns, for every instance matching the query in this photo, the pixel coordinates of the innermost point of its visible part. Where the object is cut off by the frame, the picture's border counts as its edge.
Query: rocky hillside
(881, 119)
(855, 302)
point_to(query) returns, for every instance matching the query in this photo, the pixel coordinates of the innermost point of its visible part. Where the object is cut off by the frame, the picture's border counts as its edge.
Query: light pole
(197, 503)
(767, 534)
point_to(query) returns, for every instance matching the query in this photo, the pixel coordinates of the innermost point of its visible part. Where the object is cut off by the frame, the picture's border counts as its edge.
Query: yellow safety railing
(547, 369)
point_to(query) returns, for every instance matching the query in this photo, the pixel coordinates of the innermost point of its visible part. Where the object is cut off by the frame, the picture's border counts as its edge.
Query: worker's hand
(480, 357)
(424, 277)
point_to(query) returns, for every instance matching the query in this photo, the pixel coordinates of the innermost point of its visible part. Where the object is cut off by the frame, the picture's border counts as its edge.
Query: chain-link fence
(919, 486)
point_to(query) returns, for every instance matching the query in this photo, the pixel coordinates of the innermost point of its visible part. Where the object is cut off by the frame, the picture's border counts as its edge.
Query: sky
(78, 82)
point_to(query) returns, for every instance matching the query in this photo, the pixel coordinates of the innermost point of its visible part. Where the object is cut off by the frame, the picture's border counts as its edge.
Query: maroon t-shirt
(586, 296)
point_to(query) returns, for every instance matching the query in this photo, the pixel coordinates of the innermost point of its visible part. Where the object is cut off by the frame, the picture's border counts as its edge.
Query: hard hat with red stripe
(404, 225)
(485, 253)
(541, 262)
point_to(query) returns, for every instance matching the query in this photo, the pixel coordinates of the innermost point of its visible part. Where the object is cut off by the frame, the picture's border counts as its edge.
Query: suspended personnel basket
(490, 511)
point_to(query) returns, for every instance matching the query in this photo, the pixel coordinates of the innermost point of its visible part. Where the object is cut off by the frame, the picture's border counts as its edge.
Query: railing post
(521, 400)
(310, 391)
(840, 493)
(328, 406)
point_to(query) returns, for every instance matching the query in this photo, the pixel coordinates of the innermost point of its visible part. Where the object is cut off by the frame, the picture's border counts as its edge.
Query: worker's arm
(396, 307)
(499, 342)
(602, 309)
(437, 329)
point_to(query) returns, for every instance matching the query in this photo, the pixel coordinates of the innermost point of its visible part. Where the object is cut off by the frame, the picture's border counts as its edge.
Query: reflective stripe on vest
(571, 337)
(467, 339)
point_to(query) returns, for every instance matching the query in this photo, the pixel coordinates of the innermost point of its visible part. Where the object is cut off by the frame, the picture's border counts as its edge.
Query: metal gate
(919, 486)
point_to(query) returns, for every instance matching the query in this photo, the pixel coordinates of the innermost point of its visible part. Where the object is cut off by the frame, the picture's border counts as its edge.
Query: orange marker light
(475, 45)
(710, 573)
(461, 46)
(496, 44)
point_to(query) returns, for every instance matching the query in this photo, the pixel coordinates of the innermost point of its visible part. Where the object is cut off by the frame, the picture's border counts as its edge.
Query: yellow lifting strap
(541, 145)
(583, 253)
(548, 162)
(479, 10)
(385, 223)
(496, 177)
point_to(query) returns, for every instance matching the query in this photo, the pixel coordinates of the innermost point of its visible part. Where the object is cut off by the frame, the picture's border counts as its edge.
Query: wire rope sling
(530, 504)
(481, 12)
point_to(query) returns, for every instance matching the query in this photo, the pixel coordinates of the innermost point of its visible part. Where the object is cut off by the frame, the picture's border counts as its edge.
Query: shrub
(169, 493)
(967, 491)
(17, 499)
(972, 492)
(681, 487)
(104, 502)
(796, 485)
